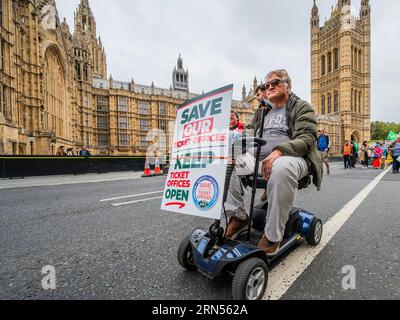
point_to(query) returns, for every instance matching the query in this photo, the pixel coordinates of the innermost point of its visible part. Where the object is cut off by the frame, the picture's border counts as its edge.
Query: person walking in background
(84, 152)
(384, 155)
(347, 151)
(255, 122)
(377, 156)
(61, 151)
(235, 124)
(324, 145)
(396, 155)
(70, 152)
(364, 156)
(354, 153)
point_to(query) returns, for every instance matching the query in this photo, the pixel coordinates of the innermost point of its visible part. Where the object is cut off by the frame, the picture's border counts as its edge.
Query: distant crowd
(69, 152)
(378, 154)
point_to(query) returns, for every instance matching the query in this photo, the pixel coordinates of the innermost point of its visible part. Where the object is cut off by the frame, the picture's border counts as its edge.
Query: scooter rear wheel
(250, 280)
(185, 254)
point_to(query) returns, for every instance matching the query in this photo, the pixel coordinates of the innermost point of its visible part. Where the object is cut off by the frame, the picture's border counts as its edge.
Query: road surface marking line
(131, 196)
(52, 184)
(133, 202)
(282, 277)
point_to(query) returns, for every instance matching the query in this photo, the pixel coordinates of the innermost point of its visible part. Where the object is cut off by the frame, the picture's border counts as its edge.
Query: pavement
(107, 238)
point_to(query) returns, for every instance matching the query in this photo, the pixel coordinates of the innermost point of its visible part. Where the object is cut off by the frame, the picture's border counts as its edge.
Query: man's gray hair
(283, 74)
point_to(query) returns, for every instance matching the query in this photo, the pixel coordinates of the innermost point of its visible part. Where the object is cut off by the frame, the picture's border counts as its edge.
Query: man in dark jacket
(324, 145)
(290, 154)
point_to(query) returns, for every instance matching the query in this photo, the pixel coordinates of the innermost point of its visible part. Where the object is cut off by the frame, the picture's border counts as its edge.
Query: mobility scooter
(213, 255)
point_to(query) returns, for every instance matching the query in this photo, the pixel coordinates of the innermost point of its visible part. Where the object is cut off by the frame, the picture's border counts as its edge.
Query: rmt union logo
(49, 17)
(348, 17)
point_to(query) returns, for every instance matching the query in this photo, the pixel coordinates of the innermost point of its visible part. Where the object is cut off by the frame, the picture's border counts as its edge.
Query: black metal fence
(25, 166)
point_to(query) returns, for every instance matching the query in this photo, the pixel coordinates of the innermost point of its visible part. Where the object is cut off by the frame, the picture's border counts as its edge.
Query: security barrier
(26, 166)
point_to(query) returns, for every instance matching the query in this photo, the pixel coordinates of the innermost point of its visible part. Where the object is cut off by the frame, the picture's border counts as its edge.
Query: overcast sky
(232, 41)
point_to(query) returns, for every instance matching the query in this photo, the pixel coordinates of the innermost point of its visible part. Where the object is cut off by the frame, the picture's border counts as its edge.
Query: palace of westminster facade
(55, 90)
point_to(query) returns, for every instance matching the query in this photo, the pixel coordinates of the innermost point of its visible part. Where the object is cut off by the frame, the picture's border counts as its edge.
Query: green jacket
(303, 132)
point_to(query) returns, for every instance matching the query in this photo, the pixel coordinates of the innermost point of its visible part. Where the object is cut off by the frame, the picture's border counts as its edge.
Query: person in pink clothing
(378, 152)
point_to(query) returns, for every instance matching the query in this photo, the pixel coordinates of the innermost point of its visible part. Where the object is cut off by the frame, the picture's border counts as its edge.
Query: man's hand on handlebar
(268, 162)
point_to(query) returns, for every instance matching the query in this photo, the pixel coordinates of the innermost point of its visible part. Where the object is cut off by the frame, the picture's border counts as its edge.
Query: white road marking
(133, 202)
(282, 277)
(131, 196)
(73, 180)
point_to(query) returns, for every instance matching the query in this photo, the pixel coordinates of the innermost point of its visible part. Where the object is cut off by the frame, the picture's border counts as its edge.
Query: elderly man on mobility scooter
(290, 130)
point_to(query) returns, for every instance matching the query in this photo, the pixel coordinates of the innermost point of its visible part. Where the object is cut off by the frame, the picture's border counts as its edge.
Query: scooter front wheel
(250, 280)
(185, 254)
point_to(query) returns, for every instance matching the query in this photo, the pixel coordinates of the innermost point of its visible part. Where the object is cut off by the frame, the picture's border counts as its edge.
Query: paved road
(102, 251)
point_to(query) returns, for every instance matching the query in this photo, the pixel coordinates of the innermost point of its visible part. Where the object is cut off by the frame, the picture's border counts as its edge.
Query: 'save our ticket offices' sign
(196, 178)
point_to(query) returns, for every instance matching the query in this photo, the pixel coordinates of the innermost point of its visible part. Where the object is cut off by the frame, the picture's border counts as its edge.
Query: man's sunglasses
(273, 84)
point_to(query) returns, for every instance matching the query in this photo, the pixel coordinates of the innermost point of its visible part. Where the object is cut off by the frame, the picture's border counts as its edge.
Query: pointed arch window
(323, 65)
(355, 100)
(329, 103)
(352, 57)
(359, 60)
(323, 105)
(336, 58)
(329, 62)
(355, 59)
(352, 99)
(336, 102)
(85, 72)
(1, 12)
(84, 23)
(359, 101)
(78, 69)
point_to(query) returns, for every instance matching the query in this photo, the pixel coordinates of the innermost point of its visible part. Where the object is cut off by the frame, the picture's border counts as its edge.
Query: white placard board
(196, 177)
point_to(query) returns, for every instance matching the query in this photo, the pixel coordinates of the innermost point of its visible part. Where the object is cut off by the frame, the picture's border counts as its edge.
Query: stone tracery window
(54, 92)
(329, 62)
(336, 102)
(336, 58)
(329, 103)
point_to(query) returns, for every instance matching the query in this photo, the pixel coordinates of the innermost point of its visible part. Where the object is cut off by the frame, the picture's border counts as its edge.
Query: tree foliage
(380, 130)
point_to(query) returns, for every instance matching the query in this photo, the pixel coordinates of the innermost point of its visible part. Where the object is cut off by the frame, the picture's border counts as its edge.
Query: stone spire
(365, 9)
(255, 84)
(180, 76)
(314, 16)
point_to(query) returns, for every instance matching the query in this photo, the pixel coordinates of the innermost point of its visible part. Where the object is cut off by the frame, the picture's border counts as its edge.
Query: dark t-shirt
(276, 131)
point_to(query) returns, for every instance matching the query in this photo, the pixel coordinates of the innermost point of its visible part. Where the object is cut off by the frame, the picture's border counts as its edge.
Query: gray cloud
(231, 41)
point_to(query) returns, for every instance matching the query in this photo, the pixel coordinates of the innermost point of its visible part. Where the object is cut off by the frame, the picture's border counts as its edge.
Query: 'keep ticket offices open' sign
(196, 178)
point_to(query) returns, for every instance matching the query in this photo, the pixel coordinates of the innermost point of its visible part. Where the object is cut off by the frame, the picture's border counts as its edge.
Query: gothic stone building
(54, 88)
(341, 72)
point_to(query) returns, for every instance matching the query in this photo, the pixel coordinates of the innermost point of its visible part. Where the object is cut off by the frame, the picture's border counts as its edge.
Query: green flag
(392, 136)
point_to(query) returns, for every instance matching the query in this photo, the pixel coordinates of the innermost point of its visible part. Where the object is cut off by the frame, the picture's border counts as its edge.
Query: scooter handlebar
(251, 142)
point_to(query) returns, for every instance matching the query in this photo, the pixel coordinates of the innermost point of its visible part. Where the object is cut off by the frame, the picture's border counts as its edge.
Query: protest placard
(196, 178)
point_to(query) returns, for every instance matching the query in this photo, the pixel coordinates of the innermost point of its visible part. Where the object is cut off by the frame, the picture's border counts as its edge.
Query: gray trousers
(281, 188)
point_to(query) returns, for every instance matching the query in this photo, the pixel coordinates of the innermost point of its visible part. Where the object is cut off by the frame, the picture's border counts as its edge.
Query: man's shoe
(235, 227)
(270, 248)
